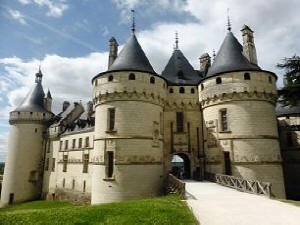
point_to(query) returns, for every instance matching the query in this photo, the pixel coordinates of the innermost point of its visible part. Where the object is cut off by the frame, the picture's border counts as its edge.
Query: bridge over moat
(214, 204)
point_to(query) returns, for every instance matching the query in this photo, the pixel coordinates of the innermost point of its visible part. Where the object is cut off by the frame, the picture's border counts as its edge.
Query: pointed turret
(34, 100)
(132, 57)
(230, 58)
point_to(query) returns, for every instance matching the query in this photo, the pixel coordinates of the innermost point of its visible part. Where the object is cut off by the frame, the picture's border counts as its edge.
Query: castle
(219, 119)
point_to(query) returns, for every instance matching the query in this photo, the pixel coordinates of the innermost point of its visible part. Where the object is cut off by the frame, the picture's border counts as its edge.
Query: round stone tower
(23, 166)
(238, 102)
(128, 148)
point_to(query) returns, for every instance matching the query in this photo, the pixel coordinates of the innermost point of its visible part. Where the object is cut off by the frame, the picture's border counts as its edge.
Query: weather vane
(133, 21)
(228, 21)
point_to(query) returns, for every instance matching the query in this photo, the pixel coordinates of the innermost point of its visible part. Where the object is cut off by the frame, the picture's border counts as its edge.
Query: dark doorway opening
(227, 163)
(181, 166)
(11, 198)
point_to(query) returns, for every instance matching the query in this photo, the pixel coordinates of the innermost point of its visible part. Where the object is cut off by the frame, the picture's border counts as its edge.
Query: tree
(290, 93)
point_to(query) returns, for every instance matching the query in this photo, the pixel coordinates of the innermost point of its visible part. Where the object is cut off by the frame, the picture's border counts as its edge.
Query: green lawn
(169, 210)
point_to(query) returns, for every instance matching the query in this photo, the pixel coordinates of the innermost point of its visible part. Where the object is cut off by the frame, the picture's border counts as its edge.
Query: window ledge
(109, 179)
(111, 131)
(225, 132)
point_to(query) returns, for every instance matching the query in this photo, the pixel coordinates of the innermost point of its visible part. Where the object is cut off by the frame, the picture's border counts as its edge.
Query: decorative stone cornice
(238, 96)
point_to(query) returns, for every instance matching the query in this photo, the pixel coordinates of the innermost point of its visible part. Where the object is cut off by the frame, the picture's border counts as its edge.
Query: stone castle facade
(219, 119)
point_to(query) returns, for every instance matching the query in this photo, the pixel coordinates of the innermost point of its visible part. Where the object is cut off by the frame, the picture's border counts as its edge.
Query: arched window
(192, 91)
(171, 90)
(181, 90)
(247, 76)
(152, 80)
(202, 87)
(270, 79)
(131, 76)
(219, 80)
(110, 78)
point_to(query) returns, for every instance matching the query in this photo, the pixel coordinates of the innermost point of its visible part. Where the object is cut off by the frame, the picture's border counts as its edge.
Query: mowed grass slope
(169, 210)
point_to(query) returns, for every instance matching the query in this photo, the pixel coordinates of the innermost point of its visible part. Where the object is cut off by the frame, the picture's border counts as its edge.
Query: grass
(169, 210)
(296, 203)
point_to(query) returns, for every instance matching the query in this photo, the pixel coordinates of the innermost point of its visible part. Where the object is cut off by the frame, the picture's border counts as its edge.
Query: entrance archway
(181, 166)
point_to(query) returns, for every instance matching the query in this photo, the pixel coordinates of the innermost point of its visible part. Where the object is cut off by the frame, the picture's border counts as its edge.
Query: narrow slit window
(192, 91)
(80, 143)
(110, 164)
(179, 121)
(224, 122)
(73, 184)
(219, 80)
(131, 76)
(87, 142)
(84, 186)
(111, 119)
(152, 80)
(110, 78)
(65, 163)
(73, 143)
(66, 144)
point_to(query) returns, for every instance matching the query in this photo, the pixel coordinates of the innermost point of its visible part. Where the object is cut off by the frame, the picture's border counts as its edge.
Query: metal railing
(249, 186)
(175, 185)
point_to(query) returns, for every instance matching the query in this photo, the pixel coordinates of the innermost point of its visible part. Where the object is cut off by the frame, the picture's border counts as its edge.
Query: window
(66, 144)
(111, 119)
(131, 76)
(80, 143)
(73, 184)
(53, 165)
(270, 79)
(289, 139)
(192, 91)
(60, 145)
(223, 118)
(85, 163)
(110, 78)
(179, 121)
(73, 143)
(64, 183)
(219, 80)
(152, 80)
(202, 87)
(87, 142)
(171, 90)
(84, 186)
(96, 82)
(110, 163)
(247, 76)
(65, 163)
(181, 90)
(47, 164)
(35, 130)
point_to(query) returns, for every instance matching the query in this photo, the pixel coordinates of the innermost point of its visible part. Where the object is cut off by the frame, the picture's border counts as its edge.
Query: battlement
(36, 117)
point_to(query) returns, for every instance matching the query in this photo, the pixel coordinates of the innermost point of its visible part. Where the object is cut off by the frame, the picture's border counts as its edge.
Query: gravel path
(214, 204)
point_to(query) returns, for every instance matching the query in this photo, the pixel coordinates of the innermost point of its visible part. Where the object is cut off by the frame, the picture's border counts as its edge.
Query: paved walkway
(214, 204)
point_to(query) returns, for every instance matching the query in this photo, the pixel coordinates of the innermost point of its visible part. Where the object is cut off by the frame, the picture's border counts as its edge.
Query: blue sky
(70, 39)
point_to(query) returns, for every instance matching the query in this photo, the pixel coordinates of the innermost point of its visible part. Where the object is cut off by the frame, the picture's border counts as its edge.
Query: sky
(69, 38)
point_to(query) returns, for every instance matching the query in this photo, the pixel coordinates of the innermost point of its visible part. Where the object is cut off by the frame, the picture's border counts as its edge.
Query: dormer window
(131, 76)
(219, 80)
(110, 78)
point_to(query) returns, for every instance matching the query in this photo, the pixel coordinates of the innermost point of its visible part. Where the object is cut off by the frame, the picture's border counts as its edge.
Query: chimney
(113, 51)
(205, 62)
(89, 108)
(249, 49)
(66, 104)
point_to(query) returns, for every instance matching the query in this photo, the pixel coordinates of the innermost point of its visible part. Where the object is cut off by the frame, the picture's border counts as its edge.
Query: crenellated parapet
(32, 117)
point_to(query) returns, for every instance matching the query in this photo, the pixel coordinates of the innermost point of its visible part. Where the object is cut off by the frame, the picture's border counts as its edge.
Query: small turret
(205, 62)
(48, 101)
(113, 51)
(249, 49)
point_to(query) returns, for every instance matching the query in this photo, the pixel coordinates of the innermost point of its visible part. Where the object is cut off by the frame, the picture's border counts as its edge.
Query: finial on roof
(133, 21)
(214, 55)
(228, 21)
(49, 94)
(176, 40)
(39, 75)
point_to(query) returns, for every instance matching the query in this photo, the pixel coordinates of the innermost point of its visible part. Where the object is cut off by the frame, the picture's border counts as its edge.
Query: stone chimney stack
(205, 62)
(113, 51)
(249, 49)
(66, 104)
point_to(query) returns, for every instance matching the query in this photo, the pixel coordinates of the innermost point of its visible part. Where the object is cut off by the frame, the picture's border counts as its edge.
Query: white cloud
(16, 15)
(3, 145)
(55, 8)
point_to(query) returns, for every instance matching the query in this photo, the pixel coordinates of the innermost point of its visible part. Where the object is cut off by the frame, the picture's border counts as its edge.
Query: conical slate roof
(179, 70)
(230, 58)
(34, 101)
(132, 57)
